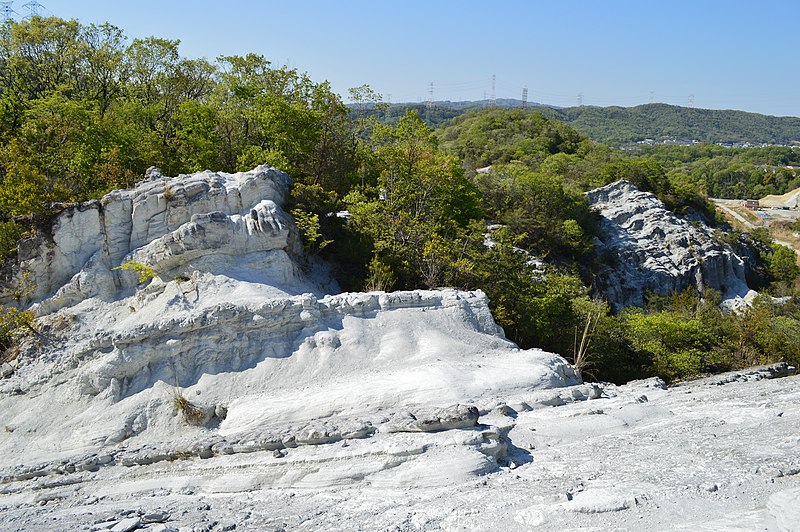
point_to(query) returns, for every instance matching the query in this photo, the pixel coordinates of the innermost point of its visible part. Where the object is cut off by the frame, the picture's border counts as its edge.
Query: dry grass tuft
(191, 413)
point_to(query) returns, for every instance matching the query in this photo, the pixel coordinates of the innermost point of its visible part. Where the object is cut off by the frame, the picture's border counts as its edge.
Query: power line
(430, 95)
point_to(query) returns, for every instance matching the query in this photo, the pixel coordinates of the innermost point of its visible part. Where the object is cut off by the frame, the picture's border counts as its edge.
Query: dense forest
(84, 110)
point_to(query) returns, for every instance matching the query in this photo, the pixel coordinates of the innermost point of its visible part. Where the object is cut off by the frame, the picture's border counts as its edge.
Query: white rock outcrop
(305, 411)
(235, 331)
(204, 222)
(649, 249)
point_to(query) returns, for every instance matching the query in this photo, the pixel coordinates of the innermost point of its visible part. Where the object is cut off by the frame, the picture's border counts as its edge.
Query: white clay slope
(233, 324)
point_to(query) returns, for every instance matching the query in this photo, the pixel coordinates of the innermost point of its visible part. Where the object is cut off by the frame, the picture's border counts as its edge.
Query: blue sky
(727, 54)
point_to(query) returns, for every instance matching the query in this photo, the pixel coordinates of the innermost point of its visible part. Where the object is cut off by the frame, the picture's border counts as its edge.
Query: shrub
(14, 325)
(380, 277)
(145, 272)
(10, 233)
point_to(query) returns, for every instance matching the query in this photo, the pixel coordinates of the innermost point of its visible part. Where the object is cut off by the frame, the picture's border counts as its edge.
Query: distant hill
(658, 120)
(440, 112)
(619, 125)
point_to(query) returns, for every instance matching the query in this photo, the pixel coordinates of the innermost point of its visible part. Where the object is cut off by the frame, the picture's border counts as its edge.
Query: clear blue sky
(728, 54)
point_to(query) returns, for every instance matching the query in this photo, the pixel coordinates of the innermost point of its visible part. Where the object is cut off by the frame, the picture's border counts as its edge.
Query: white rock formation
(649, 249)
(205, 222)
(236, 330)
(372, 411)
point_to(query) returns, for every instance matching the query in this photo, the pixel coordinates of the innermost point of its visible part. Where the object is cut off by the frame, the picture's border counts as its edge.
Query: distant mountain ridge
(619, 125)
(658, 120)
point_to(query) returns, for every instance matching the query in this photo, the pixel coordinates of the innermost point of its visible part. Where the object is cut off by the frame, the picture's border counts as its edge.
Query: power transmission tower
(34, 8)
(493, 100)
(6, 11)
(429, 104)
(691, 101)
(652, 97)
(430, 96)
(524, 97)
(580, 99)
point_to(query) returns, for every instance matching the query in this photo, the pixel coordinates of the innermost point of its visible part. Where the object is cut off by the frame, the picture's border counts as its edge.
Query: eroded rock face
(200, 222)
(650, 249)
(233, 348)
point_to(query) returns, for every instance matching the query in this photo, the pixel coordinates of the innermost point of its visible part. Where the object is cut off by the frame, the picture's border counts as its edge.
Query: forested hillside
(658, 120)
(655, 121)
(84, 110)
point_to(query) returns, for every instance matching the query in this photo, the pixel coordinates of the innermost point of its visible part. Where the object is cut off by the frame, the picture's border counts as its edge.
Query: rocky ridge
(650, 249)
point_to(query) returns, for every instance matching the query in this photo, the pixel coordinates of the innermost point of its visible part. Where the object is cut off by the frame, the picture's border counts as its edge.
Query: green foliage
(731, 172)
(499, 136)
(380, 277)
(144, 271)
(782, 264)
(676, 347)
(766, 333)
(555, 220)
(82, 112)
(619, 125)
(14, 325)
(657, 120)
(308, 224)
(647, 174)
(10, 234)
(534, 309)
(413, 195)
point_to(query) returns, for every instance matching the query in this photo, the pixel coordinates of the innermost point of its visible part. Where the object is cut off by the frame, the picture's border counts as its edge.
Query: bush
(145, 272)
(14, 325)
(10, 233)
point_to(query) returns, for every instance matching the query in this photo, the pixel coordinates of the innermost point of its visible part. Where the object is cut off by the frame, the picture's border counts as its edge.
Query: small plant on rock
(191, 413)
(14, 325)
(145, 272)
(168, 193)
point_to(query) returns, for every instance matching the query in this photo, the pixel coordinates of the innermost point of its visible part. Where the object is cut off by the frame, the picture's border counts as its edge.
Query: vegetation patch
(144, 271)
(190, 412)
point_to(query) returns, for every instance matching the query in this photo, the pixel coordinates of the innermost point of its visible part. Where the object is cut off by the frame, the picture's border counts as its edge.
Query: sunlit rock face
(200, 222)
(646, 248)
(224, 341)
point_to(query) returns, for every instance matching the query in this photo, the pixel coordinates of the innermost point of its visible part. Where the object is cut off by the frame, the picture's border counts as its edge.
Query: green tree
(416, 196)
